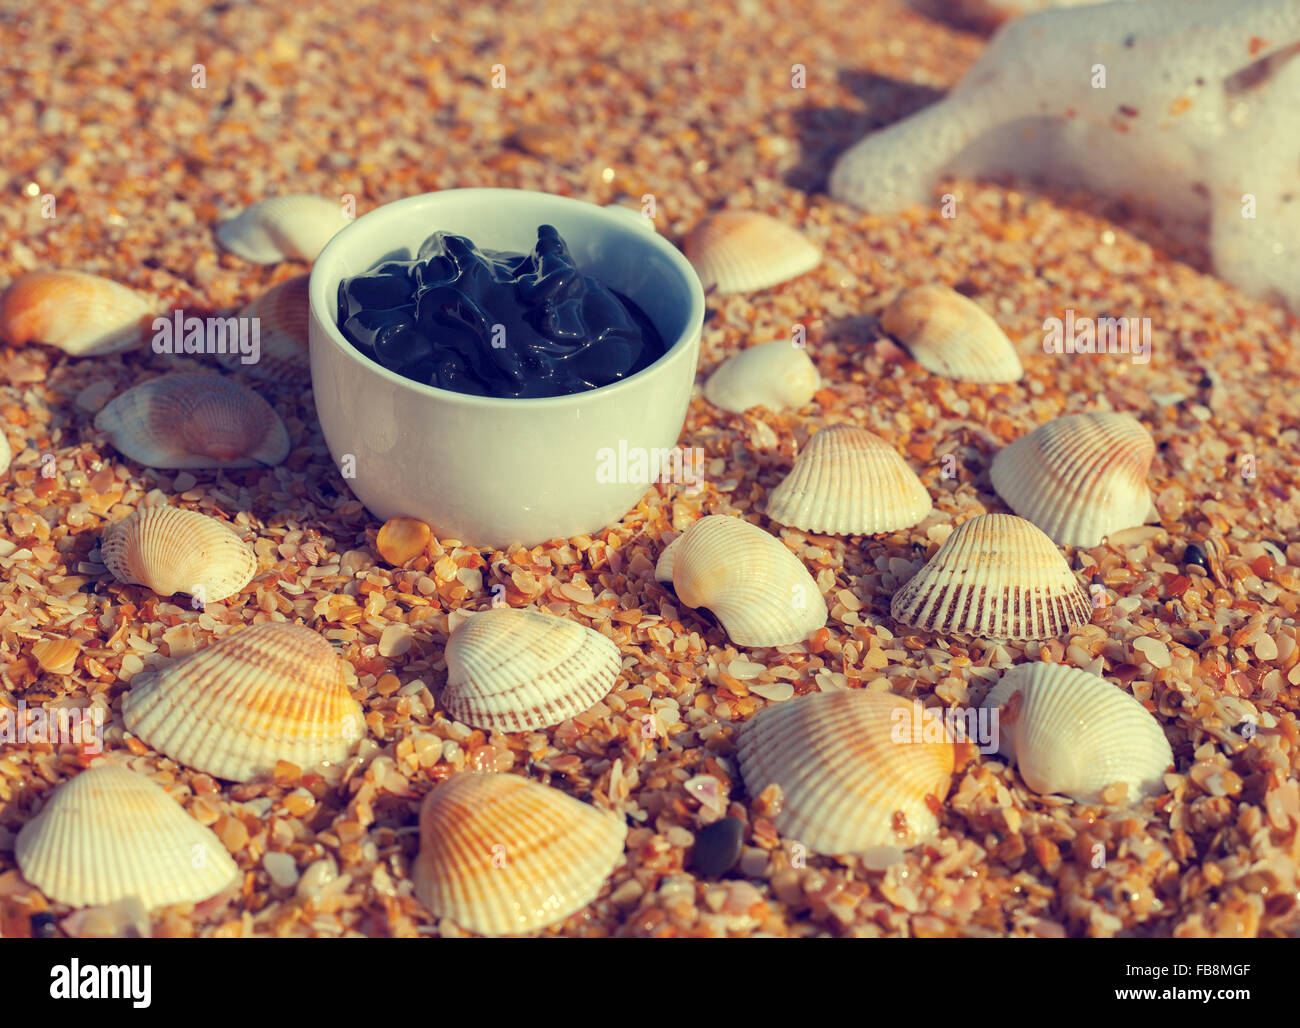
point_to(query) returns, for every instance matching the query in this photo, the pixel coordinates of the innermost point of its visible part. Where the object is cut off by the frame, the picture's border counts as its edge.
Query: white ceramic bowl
(490, 471)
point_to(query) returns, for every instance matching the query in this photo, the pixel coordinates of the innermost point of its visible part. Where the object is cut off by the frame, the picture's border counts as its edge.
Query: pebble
(43, 926)
(282, 868)
(717, 846)
(1195, 555)
(1154, 650)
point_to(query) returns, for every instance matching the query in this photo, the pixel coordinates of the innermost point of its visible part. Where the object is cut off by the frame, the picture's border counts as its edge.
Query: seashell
(848, 481)
(275, 691)
(194, 421)
(1074, 733)
(758, 589)
(664, 565)
(503, 855)
(744, 251)
(1079, 477)
(853, 767)
(109, 834)
(776, 375)
(281, 316)
(171, 550)
(6, 454)
(83, 315)
(511, 670)
(995, 577)
(282, 228)
(950, 335)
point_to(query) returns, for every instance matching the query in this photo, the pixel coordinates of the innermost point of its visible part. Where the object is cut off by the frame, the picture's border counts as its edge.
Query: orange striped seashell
(272, 692)
(1080, 477)
(516, 670)
(996, 577)
(171, 550)
(110, 833)
(848, 481)
(281, 315)
(83, 315)
(503, 855)
(194, 421)
(744, 251)
(854, 767)
(951, 335)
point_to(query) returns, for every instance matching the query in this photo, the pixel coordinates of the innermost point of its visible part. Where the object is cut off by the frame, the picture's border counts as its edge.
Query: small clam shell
(281, 315)
(83, 315)
(758, 589)
(194, 421)
(1074, 733)
(171, 550)
(275, 691)
(857, 769)
(514, 670)
(776, 375)
(996, 577)
(848, 481)
(744, 251)
(110, 834)
(951, 335)
(281, 228)
(1080, 477)
(503, 855)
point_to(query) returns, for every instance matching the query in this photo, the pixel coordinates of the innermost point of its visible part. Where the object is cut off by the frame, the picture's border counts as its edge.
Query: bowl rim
(393, 209)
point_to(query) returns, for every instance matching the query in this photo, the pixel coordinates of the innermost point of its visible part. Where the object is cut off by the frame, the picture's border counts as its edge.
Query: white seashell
(744, 252)
(950, 335)
(1074, 733)
(758, 589)
(664, 565)
(109, 834)
(171, 550)
(853, 767)
(83, 315)
(514, 670)
(848, 481)
(281, 316)
(274, 691)
(6, 454)
(503, 855)
(194, 421)
(281, 228)
(1079, 477)
(996, 577)
(776, 375)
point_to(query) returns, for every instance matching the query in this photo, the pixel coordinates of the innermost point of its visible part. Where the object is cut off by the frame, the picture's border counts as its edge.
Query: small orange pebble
(287, 772)
(402, 539)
